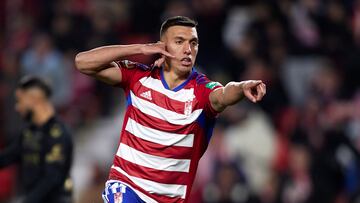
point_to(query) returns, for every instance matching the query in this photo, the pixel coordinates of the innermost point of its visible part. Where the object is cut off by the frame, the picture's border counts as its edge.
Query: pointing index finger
(253, 83)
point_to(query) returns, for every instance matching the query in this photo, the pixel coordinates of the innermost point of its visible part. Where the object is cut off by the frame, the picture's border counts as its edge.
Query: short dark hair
(29, 82)
(177, 20)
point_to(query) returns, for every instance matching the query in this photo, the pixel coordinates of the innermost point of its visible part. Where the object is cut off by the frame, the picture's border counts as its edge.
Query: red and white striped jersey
(165, 133)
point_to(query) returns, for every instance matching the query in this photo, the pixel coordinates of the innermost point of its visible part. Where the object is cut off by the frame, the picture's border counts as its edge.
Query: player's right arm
(100, 62)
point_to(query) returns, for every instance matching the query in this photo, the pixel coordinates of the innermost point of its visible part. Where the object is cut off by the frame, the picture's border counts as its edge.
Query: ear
(163, 37)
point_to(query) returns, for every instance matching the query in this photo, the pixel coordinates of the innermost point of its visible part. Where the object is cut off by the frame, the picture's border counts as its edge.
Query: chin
(182, 68)
(179, 68)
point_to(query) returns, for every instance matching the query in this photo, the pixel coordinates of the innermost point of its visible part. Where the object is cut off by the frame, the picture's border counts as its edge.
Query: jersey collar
(179, 87)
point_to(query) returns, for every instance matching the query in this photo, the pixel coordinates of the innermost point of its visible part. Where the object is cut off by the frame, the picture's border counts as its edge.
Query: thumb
(251, 97)
(159, 62)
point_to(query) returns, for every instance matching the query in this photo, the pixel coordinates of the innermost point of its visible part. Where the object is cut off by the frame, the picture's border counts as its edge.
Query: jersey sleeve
(131, 72)
(206, 87)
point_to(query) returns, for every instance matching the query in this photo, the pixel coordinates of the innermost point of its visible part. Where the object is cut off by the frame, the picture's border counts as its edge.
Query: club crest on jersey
(188, 107)
(211, 85)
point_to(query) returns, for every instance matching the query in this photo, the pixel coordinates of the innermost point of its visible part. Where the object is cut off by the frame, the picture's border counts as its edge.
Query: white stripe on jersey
(183, 95)
(157, 136)
(154, 110)
(170, 190)
(151, 161)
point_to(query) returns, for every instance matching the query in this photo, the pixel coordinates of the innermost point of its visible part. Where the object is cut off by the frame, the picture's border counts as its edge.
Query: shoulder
(204, 82)
(133, 71)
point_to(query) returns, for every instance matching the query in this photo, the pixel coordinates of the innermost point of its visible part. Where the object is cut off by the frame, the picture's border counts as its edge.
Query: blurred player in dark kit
(44, 148)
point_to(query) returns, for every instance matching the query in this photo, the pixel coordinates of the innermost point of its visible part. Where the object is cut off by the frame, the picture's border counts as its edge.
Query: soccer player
(44, 149)
(170, 114)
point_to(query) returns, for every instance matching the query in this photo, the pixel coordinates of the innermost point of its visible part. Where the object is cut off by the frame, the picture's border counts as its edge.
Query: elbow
(80, 62)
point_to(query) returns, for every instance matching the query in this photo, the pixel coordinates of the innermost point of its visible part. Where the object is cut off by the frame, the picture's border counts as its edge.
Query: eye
(194, 43)
(178, 42)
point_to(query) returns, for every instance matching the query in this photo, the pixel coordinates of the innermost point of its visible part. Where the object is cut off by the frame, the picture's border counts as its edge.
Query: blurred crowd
(300, 144)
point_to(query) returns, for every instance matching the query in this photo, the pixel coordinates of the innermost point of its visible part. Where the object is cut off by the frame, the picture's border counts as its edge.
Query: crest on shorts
(118, 197)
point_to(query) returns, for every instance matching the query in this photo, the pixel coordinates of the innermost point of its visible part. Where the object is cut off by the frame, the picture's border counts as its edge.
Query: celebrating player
(170, 114)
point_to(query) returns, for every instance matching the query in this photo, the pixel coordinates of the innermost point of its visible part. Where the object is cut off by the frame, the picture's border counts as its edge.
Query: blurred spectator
(43, 60)
(9, 75)
(177, 8)
(250, 142)
(303, 26)
(298, 185)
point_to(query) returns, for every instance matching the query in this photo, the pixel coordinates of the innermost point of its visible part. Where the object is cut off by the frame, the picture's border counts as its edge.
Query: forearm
(232, 93)
(228, 95)
(95, 60)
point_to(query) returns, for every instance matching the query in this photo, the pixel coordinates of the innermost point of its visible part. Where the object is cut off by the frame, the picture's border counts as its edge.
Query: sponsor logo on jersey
(146, 95)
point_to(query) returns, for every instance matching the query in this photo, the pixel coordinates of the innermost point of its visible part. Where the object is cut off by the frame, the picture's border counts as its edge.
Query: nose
(187, 49)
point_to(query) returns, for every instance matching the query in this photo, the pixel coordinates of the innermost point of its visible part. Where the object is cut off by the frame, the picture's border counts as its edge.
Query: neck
(174, 78)
(42, 114)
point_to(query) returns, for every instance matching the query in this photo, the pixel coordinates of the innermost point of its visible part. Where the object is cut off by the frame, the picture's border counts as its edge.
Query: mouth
(186, 61)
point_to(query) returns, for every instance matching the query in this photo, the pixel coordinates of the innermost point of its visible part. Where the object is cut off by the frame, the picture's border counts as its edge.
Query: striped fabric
(165, 132)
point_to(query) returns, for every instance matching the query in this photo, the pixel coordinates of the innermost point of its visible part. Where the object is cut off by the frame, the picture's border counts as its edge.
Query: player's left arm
(233, 92)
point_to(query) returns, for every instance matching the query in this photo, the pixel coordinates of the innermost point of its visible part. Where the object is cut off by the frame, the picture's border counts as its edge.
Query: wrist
(241, 87)
(143, 49)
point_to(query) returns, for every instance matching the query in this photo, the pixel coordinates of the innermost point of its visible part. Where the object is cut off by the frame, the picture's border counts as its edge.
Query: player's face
(181, 42)
(24, 103)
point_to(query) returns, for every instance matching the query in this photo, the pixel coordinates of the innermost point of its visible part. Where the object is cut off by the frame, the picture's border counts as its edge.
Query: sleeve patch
(130, 65)
(212, 85)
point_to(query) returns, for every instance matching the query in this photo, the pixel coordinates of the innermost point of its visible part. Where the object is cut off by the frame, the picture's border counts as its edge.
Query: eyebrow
(191, 40)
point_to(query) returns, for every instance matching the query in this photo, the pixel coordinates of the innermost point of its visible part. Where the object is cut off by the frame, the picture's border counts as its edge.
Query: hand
(159, 61)
(254, 90)
(156, 48)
